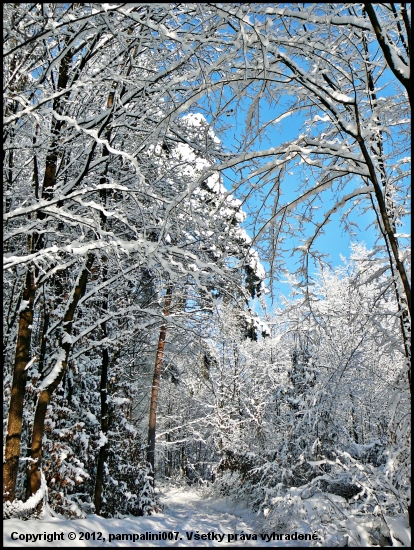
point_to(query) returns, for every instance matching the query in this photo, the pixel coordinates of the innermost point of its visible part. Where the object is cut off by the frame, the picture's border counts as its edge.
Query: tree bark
(386, 49)
(405, 323)
(104, 428)
(103, 451)
(15, 420)
(156, 383)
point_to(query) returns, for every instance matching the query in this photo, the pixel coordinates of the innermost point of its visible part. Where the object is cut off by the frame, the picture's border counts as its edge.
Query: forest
(166, 167)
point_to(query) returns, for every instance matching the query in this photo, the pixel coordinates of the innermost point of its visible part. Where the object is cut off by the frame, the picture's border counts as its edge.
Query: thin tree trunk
(405, 323)
(386, 49)
(386, 223)
(156, 382)
(353, 420)
(103, 451)
(34, 475)
(49, 179)
(104, 427)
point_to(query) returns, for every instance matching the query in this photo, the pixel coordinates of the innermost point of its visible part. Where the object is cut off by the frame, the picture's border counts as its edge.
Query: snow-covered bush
(332, 416)
(128, 487)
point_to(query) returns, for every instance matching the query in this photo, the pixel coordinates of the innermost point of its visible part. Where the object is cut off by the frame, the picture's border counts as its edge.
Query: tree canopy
(140, 243)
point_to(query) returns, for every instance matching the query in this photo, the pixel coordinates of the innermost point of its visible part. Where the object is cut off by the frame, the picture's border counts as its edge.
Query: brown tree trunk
(22, 357)
(49, 179)
(41, 366)
(34, 474)
(156, 382)
(13, 439)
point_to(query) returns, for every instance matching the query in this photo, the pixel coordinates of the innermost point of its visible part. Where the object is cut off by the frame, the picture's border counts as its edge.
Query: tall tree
(356, 126)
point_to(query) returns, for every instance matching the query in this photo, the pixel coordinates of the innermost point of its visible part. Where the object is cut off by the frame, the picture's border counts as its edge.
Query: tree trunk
(386, 49)
(402, 304)
(104, 427)
(156, 383)
(15, 420)
(34, 474)
(103, 451)
(41, 367)
(353, 420)
(13, 439)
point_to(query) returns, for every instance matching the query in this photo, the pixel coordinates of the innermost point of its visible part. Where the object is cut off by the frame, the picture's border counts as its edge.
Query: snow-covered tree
(345, 70)
(104, 198)
(121, 239)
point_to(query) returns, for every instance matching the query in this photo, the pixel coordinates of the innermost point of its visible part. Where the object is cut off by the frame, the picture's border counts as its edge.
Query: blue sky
(334, 241)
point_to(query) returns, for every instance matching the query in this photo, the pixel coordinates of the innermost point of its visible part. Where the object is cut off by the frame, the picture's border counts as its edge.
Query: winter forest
(166, 167)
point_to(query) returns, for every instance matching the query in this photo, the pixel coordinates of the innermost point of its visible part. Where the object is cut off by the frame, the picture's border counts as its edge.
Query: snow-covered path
(189, 519)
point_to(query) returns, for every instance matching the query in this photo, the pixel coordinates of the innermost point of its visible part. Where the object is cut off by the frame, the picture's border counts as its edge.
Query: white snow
(23, 305)
(399, 530)
(20, 508)
(30, 363)
(60, 358)
(187, 512)
(103, 440)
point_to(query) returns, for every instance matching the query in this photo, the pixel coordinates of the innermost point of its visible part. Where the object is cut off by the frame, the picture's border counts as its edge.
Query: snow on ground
(190, 518)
